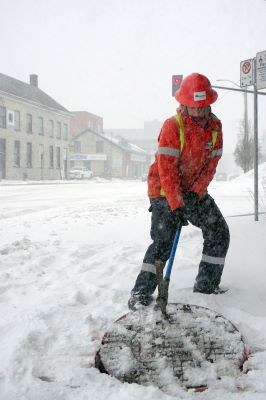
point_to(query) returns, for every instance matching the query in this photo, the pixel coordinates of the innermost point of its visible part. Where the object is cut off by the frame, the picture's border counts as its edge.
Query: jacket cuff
(175, 203)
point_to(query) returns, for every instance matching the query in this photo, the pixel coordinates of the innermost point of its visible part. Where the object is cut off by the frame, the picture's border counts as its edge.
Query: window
(58, 157)
(29, 123)
(2, 117)
(51, 128)
(51, 157)
(99, 147)
(77, 147)
(10, 118)
(58, 130)
(29, 155)
(17, 153)
(40, 126)
(17, 120)
(65, 131)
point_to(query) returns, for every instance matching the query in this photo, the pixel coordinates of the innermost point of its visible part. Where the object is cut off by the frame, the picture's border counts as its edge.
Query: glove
(190, 199)
(179, 216)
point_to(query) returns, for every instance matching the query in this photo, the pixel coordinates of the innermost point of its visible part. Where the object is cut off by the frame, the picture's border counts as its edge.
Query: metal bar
(256, 148)
(172, 255)
(238, 90)
(163, 282)
(244, 215)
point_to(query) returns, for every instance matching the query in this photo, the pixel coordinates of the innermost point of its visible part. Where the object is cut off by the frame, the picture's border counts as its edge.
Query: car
(80, 173)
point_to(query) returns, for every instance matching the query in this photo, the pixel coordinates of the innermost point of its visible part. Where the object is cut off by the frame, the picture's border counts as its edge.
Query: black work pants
(206, 216)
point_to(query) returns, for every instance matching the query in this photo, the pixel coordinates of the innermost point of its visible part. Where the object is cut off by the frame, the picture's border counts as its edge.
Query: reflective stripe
(169, 151)
(148, 268)
(181, 131)
(216, 153)
(213, 260)
(214, 137)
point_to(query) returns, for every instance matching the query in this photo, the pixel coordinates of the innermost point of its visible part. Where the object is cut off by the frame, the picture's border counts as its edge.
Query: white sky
(115, 58)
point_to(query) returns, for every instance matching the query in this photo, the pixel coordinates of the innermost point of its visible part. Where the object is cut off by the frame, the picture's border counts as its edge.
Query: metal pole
(238, 90)
(256, 197)
(256, 151)
(246, 133)
(245, 112)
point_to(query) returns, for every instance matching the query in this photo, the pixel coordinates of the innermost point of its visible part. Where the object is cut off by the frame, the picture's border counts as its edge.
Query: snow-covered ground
(69, 256)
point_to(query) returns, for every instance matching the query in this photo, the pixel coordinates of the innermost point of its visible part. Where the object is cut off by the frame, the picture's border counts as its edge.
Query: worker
(190, 145)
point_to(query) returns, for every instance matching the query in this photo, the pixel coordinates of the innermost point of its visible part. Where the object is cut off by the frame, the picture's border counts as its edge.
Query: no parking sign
(246, 73)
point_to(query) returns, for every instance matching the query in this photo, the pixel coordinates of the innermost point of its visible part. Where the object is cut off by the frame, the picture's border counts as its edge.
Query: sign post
(253, 72)
(256, 148)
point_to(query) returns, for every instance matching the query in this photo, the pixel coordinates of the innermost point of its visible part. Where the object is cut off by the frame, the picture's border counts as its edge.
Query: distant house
(146, 137)
(105, 154)
(108, 156)
(34, 132)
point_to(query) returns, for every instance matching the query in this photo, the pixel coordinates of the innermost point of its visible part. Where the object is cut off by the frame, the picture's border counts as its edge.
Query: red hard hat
(196, 91)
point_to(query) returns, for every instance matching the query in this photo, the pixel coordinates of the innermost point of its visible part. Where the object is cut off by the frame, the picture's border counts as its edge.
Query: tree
(244, 151)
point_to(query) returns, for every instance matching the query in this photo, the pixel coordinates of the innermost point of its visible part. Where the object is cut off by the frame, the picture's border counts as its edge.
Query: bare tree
(244, 151)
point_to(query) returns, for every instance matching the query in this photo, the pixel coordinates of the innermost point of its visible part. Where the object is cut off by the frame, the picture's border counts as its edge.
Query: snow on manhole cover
(194, 347)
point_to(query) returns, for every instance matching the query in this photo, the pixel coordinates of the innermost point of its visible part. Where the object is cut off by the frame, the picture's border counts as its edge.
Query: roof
(119, 142)
(28, 92)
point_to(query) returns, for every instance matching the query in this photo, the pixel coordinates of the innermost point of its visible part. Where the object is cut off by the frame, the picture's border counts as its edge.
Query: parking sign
(261, 70)
(246, 73)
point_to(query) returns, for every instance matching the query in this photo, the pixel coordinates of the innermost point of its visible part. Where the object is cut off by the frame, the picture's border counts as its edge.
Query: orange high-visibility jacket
(187, 163)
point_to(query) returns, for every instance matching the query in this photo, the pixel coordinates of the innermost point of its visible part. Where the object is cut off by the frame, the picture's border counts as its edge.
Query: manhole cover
(194, 347)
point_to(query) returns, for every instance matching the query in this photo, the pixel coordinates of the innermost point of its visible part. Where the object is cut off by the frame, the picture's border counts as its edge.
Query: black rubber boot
(141, 294)
(138, 300)
(208, 279)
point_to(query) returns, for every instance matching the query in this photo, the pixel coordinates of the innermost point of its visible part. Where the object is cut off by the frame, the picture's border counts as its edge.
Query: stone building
(34, 132)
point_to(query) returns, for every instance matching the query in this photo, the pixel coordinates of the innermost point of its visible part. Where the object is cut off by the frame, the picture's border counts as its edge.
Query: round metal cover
(193, 347)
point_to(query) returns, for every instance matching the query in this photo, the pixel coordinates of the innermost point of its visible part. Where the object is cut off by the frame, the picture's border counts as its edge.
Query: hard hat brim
(211, 97)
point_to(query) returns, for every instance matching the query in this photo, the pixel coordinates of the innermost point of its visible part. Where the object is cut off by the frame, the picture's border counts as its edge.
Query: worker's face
(199, 112)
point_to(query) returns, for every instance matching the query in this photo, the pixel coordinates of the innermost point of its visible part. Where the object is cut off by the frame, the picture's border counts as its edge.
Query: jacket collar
(203, 123)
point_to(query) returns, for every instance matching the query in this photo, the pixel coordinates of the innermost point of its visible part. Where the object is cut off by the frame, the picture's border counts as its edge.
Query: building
(34, 132)
(105, 154)
(108, 156)
(83, 119)
(145, 138)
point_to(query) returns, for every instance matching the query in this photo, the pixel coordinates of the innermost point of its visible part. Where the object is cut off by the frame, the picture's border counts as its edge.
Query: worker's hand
(179, 216)
(190, 199)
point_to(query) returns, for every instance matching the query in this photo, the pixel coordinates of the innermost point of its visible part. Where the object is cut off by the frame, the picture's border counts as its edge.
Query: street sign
(261, 69)
(246, 73)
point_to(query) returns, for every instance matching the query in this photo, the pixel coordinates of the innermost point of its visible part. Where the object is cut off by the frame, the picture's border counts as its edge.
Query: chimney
(34, 80)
